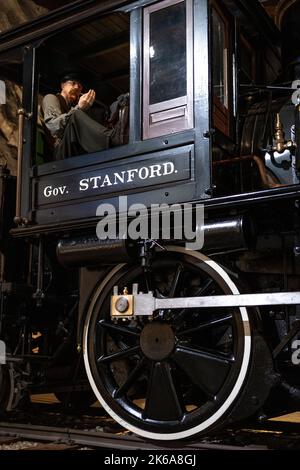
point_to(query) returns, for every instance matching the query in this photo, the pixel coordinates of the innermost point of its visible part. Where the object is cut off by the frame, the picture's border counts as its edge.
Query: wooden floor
(291, 418)
(51, 398)
(44, 398)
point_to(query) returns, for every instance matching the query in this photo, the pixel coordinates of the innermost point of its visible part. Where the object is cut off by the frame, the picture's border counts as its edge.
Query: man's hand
(87, 100)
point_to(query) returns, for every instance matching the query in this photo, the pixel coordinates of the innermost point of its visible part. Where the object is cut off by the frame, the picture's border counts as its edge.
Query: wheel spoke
(148, 280)
(206, 288)
(175, 281)
(162, 401)
(206, 370)
(119, 355)
(133, 376)
(119, 329)
(204, 326)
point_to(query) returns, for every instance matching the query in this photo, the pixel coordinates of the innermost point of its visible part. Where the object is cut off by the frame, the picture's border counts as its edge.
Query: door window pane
(168, 68)
(219, 72)
(168, 78)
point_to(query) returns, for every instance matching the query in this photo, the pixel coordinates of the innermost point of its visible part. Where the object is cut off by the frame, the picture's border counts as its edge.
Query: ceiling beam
(120, 73)
(103, 46)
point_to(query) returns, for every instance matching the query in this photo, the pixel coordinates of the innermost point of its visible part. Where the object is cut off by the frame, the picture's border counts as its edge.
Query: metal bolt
(262, 417)
(122, 304)
(297, 250)
(254, 400)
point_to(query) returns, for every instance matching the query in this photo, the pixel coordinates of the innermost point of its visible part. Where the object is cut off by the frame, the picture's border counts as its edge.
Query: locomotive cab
(188, 101)
(173, 343)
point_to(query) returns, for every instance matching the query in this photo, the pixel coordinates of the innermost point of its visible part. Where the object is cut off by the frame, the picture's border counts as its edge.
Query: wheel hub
(157, 341)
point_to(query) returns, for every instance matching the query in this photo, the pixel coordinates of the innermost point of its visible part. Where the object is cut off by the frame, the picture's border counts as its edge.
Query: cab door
(168, 68)
(176, 80)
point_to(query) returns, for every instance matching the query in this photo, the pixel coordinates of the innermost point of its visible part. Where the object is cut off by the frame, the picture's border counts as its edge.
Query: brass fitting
(281, 145)
(279, 135)
(121, 305)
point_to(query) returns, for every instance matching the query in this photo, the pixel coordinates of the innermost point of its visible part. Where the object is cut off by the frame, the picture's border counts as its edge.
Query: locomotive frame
(160, 354)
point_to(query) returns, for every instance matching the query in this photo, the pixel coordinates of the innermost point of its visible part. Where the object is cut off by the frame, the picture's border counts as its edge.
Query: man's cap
(74, 76)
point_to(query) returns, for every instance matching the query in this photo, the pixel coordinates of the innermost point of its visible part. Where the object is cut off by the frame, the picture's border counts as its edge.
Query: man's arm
(54, 119)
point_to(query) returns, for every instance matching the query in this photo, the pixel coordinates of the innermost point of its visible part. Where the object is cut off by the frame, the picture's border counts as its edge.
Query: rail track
(266, 436)
(49, 426)
(70, 439)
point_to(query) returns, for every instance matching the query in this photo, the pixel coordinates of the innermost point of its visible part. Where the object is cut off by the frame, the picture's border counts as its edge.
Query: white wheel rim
(234, 392)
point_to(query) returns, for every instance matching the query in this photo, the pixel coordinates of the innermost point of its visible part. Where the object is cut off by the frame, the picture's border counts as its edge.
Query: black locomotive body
(172, 341)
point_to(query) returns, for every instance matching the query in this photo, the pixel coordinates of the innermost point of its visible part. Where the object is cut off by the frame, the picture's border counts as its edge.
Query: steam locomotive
(174, 342)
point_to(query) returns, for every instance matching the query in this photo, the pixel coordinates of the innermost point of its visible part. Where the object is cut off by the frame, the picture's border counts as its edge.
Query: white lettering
(169, 168)
(155, 170)
(84, 184)
(144, 173)
(48, 191)
(106, 181)
(124, 176)
(60, 190)
(119, 177)
(130, 175)
(95, 179)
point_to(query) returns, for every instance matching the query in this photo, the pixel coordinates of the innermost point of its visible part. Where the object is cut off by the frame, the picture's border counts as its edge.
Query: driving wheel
(178, 373)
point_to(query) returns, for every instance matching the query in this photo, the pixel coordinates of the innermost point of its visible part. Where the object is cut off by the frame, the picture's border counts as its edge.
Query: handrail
(18, 219)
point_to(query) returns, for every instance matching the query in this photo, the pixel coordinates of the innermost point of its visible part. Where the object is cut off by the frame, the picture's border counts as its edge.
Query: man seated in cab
(73, 131)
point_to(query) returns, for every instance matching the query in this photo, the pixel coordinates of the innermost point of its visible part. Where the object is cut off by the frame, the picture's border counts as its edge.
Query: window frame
(220, 113)
(174, 115)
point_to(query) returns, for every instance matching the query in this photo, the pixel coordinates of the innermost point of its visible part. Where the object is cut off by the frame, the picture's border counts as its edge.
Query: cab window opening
(92, 61)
